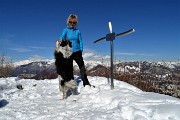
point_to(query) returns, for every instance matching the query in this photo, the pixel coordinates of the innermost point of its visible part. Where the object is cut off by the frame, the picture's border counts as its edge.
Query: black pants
(77, 56)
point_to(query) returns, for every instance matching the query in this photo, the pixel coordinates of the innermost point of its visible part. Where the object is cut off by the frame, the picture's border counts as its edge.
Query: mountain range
(35, 67)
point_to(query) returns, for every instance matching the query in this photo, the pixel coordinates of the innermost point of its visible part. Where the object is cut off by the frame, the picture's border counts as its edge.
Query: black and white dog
(64, 67)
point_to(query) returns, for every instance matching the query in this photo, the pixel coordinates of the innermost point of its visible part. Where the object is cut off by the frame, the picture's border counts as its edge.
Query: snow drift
(40, 100)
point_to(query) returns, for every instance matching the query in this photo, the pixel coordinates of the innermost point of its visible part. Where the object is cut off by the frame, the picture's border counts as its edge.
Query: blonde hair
(74, 17)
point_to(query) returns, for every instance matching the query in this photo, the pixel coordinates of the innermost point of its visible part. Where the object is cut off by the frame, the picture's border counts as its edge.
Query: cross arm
(125, 33)
(117, 35)
(100, 39)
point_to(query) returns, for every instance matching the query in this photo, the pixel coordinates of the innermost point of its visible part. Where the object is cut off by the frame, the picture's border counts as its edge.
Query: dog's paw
(63, 98)
(57, 43)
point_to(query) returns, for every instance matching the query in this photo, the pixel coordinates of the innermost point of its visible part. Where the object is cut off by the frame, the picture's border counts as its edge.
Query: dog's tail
(71, 84)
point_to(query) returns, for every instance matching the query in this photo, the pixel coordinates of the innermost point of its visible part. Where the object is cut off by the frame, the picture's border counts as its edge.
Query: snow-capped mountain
(154, 68)
(25, 62)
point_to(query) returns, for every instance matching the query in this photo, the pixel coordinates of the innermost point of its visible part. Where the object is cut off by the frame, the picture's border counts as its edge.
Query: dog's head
(65, 48)
(66, 43)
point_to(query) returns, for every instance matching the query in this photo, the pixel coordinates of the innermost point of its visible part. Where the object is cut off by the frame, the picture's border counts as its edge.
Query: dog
(64, 67)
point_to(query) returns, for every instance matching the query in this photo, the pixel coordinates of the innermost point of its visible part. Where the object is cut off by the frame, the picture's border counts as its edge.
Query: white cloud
(100, 57)
(20, 49)
(93, 57)
(37, 57)
(88, 55)
(41, 48)
(132, 54)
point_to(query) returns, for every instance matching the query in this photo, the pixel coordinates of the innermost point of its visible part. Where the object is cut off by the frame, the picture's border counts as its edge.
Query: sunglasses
(72, 22)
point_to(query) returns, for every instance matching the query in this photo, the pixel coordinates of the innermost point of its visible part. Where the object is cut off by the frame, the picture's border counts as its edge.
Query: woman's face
(72, 23)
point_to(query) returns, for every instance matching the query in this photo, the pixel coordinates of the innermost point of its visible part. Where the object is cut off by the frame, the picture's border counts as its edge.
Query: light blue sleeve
(63, 35)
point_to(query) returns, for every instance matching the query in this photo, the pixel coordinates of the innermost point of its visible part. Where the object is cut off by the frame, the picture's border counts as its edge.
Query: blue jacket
(73, 35)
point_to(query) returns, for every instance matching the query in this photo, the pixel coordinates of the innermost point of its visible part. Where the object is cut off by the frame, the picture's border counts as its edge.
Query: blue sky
(30, 27)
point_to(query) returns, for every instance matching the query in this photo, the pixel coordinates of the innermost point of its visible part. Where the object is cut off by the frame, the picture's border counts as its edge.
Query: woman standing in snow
(72, 34)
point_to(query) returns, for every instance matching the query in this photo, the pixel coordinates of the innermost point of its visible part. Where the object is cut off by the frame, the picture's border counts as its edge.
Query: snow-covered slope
(40, 100)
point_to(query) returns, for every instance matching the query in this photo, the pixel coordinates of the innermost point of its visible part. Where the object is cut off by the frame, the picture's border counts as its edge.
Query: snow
(40, 99)
(25, 62)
